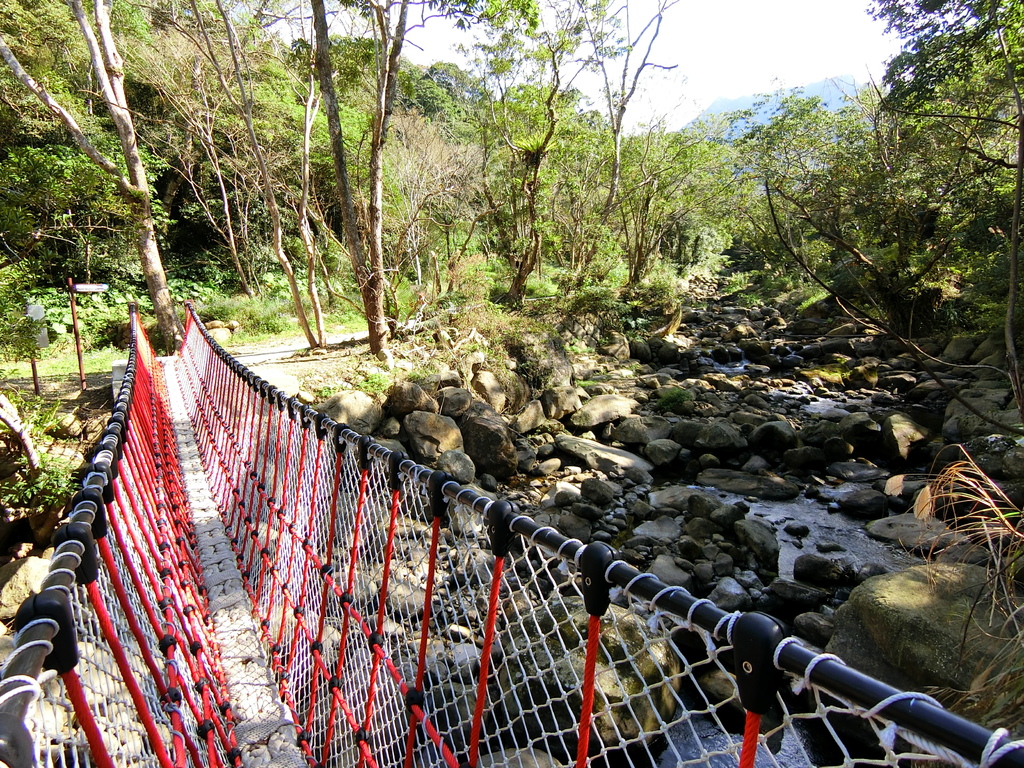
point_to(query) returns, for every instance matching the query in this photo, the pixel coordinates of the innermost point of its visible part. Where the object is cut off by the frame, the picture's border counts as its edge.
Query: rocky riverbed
(748, 458)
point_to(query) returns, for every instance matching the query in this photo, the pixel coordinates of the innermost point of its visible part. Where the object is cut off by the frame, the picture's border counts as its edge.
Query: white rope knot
(729, 620)
(887, 737)
(902, 696)
(628, 589)
(25, 684)
(778, 650)
(696, 604)
(993, 752)
(804, 682)
(665, 591)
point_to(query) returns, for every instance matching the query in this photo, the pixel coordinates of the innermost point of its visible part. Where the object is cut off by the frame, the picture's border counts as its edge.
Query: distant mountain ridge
(833, 92)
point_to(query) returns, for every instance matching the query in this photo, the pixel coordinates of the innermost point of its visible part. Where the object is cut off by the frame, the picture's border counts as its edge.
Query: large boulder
(961, 425)
(531, 417)
(859, 429)
(664, 530)
(637, 676)
(541, 359)
(926, 626)
(719, 436)
(19, 579)
(356, 409)
(431, 434)
(601, 457)
(454, 401)
(641, 430)
(767, 486)
(760, 538)
(559, 402)
(774, 436)
(602, 409)
(489, 442)
(901, 434)
(912, 534)
(959, 349)
(487, 387)
(406, 397)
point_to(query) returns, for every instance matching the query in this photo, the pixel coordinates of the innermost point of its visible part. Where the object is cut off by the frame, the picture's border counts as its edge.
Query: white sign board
(37, 312)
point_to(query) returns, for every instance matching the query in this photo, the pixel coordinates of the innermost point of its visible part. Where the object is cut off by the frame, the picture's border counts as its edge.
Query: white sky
(731, 48)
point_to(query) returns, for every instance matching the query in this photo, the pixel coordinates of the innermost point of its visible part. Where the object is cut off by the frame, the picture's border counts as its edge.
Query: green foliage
(673, 400)
(882, 205)
(53, 485)
(17, 332)
(255, 316)
(657, 293)
(375, 384)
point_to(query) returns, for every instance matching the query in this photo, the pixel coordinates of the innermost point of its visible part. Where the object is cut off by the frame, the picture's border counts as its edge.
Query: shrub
(51, 486)
(672, 399)
(255, 315)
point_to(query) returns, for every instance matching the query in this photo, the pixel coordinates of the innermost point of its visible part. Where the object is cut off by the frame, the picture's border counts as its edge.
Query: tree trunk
(369, 290)
(244, 105)
(10, 419)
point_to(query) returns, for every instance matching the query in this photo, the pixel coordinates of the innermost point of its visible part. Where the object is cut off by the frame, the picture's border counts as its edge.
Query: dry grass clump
(972, 503)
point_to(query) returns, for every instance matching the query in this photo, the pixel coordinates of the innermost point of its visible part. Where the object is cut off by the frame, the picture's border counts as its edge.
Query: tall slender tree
(131, 181)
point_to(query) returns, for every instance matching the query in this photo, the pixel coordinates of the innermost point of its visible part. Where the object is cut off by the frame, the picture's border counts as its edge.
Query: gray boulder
(406, 397)
(767, 486)
(760, 538)
(531, 417)
(729, 595)
(856, 472)
(720, 436)
(431, 434)
(774, 436)
(662, 452)
(818, 569)
(912, 534)
(487, 386)
(454, 401)
(814, 627)
(602, 409)
(859, 429)
(560, 402)
(601, 457)
(922, 627)
(901, 434)
(865, 503)
(662, 529)
(457, 464)
(959, 349)
(599, 491)
(960, 424)
(20, 579)
(574, 526)
(641, 430)
(679, 497)
(489, 442)
(617, 346)
(356, 409)
(664, 568)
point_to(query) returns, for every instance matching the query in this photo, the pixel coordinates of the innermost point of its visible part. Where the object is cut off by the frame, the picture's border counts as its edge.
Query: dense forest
(217, 151)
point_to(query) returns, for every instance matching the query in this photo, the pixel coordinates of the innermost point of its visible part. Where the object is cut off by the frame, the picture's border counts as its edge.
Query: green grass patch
(829, 374)
(65, 364)
(673, 399)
